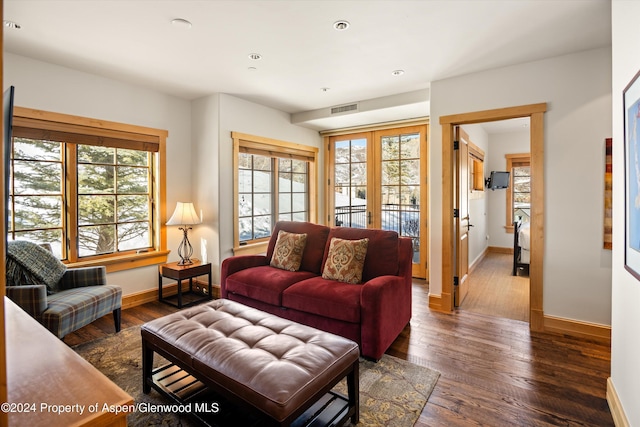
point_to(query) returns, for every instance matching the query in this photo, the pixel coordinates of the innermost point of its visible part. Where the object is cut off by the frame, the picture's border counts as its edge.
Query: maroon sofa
(372, 313)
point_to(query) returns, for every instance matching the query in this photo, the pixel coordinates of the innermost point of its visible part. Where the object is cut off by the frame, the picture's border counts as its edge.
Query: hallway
(494, 291)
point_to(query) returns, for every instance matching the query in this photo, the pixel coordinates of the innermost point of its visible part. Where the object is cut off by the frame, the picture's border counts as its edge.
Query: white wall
(577, 90)
(50, 87)
(478, 201)
(499, 145)
(214, 118)
(625, 319)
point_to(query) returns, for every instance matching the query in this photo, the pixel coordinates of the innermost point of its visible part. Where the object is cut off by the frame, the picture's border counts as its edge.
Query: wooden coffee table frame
(183, 386)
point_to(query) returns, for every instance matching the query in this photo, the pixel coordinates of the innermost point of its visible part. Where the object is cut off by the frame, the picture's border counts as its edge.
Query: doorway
(487, 284)
(450, 257)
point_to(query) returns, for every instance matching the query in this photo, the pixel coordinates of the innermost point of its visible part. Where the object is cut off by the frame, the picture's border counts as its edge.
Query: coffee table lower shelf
(213, 410)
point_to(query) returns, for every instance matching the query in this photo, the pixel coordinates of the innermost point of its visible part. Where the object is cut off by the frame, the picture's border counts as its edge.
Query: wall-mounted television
(498, 180)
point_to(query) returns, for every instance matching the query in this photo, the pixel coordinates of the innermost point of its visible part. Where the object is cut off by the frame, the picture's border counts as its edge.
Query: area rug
(392, 391)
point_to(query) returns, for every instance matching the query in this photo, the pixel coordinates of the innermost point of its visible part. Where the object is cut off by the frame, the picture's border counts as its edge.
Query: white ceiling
(134, 41)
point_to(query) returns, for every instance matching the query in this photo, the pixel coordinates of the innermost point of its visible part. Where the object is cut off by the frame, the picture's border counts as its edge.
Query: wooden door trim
(536, 114)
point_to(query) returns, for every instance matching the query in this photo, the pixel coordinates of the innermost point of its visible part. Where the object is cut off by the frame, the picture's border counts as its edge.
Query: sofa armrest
(385, 304)
(82, 277)
(31, 298)
(237, 263)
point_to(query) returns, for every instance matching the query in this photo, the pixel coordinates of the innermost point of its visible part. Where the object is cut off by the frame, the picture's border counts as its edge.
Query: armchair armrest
(31, 298)
(82, 277)
(236, 263)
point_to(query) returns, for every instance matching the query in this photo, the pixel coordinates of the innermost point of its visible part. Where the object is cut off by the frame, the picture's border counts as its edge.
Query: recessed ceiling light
(252, 68)
(179, 22)
(11, 24)
(255, 56)
(341, 25)
(397, 72)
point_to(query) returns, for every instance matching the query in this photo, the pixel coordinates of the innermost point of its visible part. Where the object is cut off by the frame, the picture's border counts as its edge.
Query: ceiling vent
(344, 108)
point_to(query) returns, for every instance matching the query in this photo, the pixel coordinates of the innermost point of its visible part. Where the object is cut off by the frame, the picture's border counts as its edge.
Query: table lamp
(184, 215)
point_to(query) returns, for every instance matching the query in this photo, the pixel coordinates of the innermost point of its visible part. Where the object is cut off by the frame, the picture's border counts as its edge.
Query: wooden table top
(49, 384)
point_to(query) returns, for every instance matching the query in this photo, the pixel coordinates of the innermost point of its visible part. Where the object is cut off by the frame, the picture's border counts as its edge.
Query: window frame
(245, 143)
(476, 170)
(513, 160)
(89, 131)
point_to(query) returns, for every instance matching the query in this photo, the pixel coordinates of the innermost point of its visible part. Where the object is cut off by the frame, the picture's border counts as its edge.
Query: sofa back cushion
(382, 252)
(313, 255)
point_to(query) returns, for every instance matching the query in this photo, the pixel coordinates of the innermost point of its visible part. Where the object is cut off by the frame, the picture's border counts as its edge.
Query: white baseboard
(617, 412)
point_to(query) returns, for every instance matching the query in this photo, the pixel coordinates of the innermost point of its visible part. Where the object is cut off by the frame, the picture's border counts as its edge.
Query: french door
(378, 179)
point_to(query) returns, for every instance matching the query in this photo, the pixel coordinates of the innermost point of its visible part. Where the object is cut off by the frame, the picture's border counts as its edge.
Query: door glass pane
(390, 172)
(401, 186)
(390, 147)
(350, 183)
(410, 172)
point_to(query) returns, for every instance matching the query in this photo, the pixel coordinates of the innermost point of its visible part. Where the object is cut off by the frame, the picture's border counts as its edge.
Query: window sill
(251, 249)
(125, 262)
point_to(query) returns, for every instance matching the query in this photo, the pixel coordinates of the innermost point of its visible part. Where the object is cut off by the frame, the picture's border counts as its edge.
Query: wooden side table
(180, 273)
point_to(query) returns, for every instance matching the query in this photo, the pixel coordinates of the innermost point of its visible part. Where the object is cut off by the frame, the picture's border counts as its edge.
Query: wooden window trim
(56, 126)
(252, 144)
(476, 157)
(513, 160)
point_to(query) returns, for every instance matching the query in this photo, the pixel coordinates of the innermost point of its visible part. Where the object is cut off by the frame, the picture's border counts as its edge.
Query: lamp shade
(185, 214)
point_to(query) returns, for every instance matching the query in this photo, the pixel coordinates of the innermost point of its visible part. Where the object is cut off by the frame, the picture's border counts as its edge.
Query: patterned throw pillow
(287, 254)
(345, 260)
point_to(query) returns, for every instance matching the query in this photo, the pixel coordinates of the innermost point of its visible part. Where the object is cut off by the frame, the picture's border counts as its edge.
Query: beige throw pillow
(345, 260)
(287, 254)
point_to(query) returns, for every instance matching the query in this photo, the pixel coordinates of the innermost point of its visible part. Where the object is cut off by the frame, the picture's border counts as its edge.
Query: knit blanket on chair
(30, 264)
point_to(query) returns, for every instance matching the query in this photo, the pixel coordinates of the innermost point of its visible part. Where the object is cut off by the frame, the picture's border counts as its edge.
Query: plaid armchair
(62, 299)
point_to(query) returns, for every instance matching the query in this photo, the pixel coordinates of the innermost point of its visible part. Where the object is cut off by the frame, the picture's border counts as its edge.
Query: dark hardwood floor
(494, 372)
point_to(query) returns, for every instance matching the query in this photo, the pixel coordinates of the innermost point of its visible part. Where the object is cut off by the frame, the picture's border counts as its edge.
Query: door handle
(369, 217)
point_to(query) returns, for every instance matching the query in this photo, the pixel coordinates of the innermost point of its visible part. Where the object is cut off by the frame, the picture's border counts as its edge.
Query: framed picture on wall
(631, 101)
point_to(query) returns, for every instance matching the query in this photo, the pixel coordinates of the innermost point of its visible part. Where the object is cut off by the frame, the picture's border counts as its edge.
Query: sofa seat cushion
(326, 298)
(264, 283)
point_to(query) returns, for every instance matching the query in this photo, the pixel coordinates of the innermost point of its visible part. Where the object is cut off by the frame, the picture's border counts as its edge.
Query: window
(274, 181)
(476, 170)
(519, 192)
(91, 189)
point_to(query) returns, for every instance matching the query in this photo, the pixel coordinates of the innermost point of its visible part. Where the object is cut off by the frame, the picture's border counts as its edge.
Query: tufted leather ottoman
(273, 366)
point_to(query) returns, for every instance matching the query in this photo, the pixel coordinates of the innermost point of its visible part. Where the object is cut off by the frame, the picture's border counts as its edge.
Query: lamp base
(185, 250)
